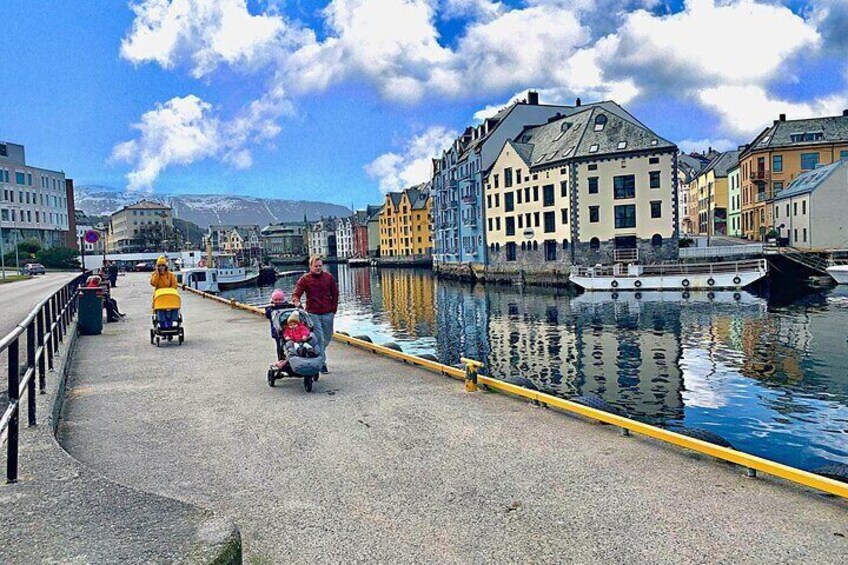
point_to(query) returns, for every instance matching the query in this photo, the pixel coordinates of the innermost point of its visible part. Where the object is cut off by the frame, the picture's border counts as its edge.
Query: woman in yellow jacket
(162, 277)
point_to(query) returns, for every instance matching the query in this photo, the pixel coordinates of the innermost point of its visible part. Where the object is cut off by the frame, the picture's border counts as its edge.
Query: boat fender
(711, 281)
(638, 284)
(685, 283)
(737, 296)
(736, 280)
(363, 338)
(614, 283)
(614, 296)
(638, 296)
(711, 295)
(393, 346)
(686, 295)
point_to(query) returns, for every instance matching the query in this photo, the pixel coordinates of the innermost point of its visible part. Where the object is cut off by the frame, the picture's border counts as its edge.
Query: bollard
(471, 369)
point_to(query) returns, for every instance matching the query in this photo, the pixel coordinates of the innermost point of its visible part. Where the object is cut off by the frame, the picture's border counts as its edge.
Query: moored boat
(839, 273)
(358, 262)
(676, 276)
(230, 275)
(200, 278)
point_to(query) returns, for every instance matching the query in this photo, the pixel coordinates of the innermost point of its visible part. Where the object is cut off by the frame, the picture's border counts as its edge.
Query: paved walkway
(388, 463)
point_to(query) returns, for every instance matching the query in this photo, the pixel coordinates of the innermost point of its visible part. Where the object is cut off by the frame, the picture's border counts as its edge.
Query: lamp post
(2, 250)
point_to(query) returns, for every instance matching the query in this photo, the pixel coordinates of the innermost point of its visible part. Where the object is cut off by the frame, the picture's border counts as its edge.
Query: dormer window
(622, 145)
(593, 148)
(600, 122)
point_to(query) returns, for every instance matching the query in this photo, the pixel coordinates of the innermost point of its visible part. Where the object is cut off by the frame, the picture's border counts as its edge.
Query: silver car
(33, 269)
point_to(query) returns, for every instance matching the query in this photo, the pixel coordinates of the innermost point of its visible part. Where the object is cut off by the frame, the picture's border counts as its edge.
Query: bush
(685, 242)
(59, 258)
(29, 246)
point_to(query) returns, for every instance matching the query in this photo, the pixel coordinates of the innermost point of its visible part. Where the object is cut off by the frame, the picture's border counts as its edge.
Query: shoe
(324, 369)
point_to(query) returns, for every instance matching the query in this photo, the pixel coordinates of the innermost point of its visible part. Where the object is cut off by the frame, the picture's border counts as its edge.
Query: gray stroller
(299, 363)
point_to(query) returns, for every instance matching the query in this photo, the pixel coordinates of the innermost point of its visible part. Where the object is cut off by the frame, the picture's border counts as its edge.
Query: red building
(360, 234)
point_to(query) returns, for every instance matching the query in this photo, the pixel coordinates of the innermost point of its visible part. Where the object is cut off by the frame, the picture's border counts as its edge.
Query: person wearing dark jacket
(322, 299)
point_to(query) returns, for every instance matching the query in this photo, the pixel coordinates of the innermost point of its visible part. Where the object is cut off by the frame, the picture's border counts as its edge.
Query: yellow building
(711, 188)
(778, 155)
(405, 223)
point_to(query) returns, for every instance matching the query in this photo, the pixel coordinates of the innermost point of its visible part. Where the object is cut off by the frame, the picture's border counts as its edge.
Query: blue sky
(339, 101)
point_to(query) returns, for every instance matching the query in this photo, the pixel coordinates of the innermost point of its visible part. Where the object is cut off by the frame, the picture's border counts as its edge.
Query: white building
(33, 201)
(344, 238)
(322, 238)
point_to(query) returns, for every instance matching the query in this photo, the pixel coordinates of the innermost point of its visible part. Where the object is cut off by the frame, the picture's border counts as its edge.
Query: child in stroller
(299, 340)
(294, 357)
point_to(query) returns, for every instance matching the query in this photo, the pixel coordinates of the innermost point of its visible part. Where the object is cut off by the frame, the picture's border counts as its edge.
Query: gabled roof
(722, 164)
(395, 198)
(147, 205)
(813, 131)
(576, 136)
(374, 212)
(811, 180)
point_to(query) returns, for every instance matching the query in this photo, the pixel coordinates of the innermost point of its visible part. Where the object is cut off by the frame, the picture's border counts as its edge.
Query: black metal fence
(41, 332)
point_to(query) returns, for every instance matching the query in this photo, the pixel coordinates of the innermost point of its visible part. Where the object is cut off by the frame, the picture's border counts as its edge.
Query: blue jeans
(324, 327)
(167, 318)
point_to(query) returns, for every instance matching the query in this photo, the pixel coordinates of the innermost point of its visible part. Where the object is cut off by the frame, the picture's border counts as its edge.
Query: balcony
(763, 196)
(761, 176)
(468, 198)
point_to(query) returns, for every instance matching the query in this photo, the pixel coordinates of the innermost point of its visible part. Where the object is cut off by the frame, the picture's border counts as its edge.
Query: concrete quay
(389, 463)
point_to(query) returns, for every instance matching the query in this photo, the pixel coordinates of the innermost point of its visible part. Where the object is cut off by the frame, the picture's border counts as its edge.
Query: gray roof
(374, 211)
(823, 130)
(811, 180)
(360, 217)
(722, 164)
(691, 165)
(395, 197)
(574, 136)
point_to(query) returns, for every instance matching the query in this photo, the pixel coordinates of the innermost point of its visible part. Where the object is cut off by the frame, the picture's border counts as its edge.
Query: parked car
(33, 269)
(144, 267)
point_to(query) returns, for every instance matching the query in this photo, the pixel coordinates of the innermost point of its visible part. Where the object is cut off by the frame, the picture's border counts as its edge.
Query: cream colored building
(127, 226)
(594, 187)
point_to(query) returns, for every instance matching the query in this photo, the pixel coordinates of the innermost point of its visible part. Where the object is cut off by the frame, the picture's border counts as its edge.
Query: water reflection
(770, 376)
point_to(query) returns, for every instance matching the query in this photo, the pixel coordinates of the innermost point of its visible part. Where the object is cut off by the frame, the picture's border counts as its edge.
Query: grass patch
(14, 278)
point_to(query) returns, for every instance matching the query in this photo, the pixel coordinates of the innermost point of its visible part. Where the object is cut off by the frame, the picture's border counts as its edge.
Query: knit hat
(295, 317)
(161, 261)
(278, 295)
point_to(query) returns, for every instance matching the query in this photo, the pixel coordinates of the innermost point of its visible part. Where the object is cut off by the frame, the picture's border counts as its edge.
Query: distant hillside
(207, 209)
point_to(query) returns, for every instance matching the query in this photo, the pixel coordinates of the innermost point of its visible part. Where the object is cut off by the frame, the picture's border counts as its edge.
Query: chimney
(533, 98)
(578, 103)
(783, 117)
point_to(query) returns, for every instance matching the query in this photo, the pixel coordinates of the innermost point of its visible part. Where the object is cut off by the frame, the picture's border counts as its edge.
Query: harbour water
(767, 373)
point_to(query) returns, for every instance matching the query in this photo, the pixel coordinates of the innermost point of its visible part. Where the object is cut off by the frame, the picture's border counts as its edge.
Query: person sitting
(299, 339)
(113, 314)
(163, 278)
(278, 302)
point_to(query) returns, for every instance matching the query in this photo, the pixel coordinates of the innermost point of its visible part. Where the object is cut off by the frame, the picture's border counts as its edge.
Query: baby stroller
(167, 300)
(297, 365)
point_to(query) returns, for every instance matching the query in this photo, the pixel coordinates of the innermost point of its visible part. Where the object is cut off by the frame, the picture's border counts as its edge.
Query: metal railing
(721, 251)
(43, 329)
(626, 255)
(671, 269)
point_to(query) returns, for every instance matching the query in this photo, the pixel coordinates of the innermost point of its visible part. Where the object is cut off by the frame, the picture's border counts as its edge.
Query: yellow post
(471, 369)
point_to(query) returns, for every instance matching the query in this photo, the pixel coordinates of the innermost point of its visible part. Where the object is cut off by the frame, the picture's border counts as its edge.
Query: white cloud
(413, 165)
(483, 10)
(703, 145)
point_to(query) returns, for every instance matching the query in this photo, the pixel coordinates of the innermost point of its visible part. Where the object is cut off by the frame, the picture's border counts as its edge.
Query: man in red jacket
(322, 299)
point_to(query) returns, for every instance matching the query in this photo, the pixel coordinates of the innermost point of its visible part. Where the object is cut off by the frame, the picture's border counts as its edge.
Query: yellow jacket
(165, 280)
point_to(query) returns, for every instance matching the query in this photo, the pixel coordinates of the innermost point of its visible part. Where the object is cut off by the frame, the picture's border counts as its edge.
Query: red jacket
(322, 293)
(297, 334)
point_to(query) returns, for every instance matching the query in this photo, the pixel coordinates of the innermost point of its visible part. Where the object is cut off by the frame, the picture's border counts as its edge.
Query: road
(387, 463)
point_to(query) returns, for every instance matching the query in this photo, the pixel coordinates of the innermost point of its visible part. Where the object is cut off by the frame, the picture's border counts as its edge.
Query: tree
(59, 257)
(29, 246)
(160, 237)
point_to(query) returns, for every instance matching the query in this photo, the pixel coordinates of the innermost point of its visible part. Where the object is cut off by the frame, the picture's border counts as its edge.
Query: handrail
(46, 327)
(752, 462)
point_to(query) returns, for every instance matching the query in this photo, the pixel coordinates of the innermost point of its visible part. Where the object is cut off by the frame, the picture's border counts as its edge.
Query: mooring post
(471, 369)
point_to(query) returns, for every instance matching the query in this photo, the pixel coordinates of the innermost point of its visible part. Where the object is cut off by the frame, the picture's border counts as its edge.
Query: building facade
(322, 238)
(734, 197)
(33, 201)
(140, 227)
(713, 198)
(593, 187)
(284, 240)
(780, 154)
(360, 234)
(457, 180)
(344, 238)
(811, 211)
(374, 213)
(405, 223)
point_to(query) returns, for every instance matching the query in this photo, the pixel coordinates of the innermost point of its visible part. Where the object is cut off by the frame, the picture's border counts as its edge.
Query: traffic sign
(92, 236)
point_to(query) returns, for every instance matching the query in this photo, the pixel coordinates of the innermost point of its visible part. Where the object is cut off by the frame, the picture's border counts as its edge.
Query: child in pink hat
(278, 302)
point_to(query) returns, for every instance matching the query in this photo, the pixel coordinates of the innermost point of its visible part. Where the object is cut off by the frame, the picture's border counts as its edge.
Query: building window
(563, 189)
(488, 201)
(536, 216)
(795, 208)
(20, 179)
(518, 195)
(625, 216)
(654, 161)
(594, 214)
(842, 155)
(517, 176)
(593, 185)
(624, 187)
(656, 208)
(527, 194)
(656, 240)
(510, 251)
(536, 193)
(507, 177)
(564, 244)
(548, 195)
(564, 214)
(809, 161)
(509, 202)
(510, 226)
(600, 122)
(655, 179)
(594, 244)
(777, 163)
(805, 235)
(498, 224)
(593, 167)
(550, 222)
(521, 222)
(490, 224)
(497, 185)
(804, 209)
(550, 250)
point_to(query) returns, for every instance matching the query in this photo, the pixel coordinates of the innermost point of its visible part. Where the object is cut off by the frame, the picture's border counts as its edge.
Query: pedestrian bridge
(388, 462)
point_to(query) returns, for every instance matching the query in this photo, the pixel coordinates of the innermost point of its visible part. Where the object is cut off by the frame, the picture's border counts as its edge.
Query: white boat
(230, 275)
(839, 273)
(675, 276)
(358, 261)
(200, 278)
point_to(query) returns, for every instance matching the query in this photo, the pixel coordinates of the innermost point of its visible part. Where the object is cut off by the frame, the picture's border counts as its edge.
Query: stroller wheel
(307, 383)
(271, 377)
(170, 338)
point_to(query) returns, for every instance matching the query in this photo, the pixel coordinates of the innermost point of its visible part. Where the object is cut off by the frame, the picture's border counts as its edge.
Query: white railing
(670, 269)
(721, 251)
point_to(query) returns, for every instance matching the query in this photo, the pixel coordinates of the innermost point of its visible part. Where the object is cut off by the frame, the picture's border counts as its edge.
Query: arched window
(564, 244)
(535, 246)
(595, 244)
(656, 240)
(497, 247)
(600, 122)
(523, 246)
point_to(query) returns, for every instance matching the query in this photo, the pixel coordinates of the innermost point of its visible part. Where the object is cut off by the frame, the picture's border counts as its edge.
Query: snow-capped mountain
(208, 209)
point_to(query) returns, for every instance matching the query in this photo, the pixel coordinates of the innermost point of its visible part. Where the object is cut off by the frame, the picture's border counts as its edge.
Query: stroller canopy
(166, 299)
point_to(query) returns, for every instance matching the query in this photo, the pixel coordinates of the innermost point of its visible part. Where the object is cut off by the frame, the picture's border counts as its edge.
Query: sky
(344, 100)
